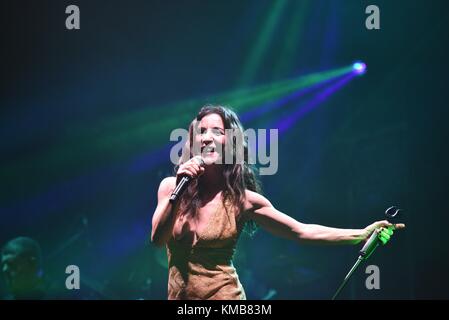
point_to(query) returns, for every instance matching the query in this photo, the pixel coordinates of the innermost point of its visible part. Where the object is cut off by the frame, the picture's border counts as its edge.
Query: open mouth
(207, 150)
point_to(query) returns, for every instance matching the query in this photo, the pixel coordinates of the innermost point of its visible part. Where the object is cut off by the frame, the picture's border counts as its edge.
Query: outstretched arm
(259, 209)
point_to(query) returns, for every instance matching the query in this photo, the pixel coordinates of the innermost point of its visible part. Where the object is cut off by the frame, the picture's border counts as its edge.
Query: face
(211, 138)
(17, 271)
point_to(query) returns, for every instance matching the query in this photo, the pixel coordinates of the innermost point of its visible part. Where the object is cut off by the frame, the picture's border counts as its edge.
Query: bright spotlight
(359, 67)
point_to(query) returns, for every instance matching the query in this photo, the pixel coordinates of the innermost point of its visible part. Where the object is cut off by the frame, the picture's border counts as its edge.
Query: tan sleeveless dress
(205, 270)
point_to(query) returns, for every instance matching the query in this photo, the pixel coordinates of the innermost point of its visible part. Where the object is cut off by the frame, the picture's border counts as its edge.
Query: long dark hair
(238, 176)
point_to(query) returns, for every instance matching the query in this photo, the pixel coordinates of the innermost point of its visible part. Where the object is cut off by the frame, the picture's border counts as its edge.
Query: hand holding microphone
(187, 171)
(380, 232)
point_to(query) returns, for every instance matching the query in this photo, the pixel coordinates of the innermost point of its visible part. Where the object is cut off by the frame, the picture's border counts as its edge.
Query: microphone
(370, 246)
(182, 185)
(392, 214)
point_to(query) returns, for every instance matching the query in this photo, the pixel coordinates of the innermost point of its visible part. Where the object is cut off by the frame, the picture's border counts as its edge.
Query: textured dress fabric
(204, 270)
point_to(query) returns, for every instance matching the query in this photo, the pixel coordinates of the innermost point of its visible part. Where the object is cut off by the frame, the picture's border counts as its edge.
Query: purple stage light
(359, 67)
(287, 122)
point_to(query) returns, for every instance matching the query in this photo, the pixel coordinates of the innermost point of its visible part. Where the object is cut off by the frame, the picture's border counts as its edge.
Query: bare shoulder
(166, 186)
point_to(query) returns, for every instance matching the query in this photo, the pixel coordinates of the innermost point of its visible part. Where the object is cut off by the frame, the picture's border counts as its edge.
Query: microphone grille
(200, 161)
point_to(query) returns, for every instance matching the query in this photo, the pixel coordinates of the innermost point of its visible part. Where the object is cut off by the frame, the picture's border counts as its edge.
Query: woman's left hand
(384, 230)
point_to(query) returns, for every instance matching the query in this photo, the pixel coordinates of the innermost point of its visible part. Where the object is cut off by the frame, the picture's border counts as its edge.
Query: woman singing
(201, 229)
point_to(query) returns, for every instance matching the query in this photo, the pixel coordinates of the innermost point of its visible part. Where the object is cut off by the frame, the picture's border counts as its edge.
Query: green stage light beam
(255, 57)
(289, 51)
(118, 140)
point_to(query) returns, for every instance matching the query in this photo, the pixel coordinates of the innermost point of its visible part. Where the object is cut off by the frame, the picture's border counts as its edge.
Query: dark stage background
(86, 116)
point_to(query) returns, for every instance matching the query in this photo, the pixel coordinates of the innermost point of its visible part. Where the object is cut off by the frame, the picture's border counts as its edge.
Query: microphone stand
(345, 280)
(367, 250)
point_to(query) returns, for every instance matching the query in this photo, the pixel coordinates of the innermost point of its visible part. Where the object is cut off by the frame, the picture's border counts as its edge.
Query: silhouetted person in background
(21, 268)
